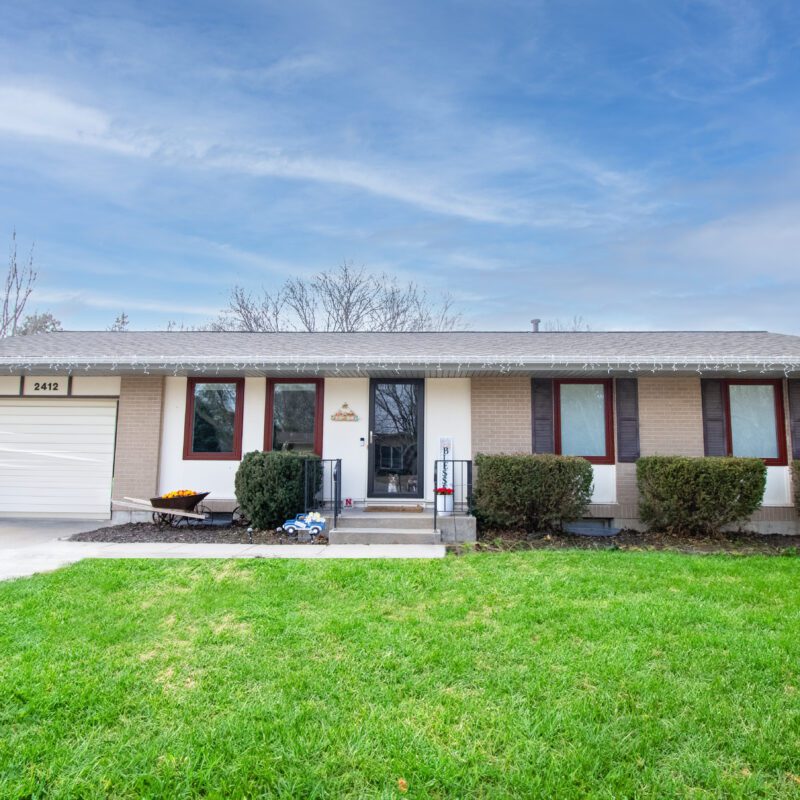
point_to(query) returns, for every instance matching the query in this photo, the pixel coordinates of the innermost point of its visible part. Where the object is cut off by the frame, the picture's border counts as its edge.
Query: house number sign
(49, 385)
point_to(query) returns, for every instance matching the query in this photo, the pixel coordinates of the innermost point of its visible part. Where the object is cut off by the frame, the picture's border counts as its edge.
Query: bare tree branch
(38, 323)
(121, 323)
(577, 323)
(17, 289)
(299, 297)
(343, 299)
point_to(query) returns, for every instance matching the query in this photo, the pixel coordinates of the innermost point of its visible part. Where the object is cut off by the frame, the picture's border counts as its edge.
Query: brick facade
(501, 415)
(670, 416)
(138, 437)
(670, 423)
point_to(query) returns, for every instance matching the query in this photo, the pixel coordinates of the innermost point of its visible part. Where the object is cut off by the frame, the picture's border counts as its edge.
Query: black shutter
(794, 415)
(627, 419)
(715, 429)
(542, 396)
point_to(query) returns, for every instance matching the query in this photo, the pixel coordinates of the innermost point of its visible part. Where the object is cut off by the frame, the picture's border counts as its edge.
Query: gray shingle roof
(458, 352)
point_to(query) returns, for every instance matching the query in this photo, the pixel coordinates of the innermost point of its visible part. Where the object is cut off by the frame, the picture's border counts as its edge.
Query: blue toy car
(313, 523)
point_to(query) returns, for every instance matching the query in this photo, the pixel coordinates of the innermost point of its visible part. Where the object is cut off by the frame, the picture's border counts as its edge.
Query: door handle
(370, 437)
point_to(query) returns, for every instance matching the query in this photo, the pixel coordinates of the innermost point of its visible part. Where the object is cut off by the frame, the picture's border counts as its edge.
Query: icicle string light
(169, 365)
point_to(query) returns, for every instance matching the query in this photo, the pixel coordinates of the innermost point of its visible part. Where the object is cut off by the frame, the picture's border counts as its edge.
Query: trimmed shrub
(796, 484)
(271, 485)
(698, 495)
(531, 492)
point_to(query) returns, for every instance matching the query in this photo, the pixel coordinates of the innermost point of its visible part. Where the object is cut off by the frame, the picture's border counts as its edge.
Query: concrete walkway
(47, 556)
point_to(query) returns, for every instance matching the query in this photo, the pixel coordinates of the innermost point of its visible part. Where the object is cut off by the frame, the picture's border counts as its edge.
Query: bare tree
(577, 323)
(343, 299)
(120, 323)
(39, 323)
(174, 325)
(246, 312)
(17, 289)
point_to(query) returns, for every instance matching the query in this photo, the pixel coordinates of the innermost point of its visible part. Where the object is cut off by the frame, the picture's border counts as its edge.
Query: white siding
(447, 414)
(90, 386)
(778, 491)
(348, 440)
(605, 483)
(10, 385)
(56, 457)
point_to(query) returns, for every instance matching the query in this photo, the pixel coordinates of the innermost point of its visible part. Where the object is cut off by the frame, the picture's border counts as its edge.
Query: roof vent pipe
(535, 325)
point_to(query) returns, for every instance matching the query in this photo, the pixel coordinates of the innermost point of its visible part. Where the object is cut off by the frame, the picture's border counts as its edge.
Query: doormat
(393, 509)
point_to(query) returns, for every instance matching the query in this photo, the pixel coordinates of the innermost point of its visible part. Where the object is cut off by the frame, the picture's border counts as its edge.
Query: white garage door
(56, 457)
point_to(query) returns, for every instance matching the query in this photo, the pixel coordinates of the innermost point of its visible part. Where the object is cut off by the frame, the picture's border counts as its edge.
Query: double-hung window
(214, 409)
(583, 419)
(294, 415)
(750, 419)
(574, 417)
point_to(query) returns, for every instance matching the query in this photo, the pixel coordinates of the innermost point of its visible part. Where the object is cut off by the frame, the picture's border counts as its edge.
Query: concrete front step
(364, 519)
(383, 535)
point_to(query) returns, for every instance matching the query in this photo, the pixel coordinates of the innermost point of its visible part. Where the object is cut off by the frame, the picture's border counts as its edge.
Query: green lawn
(538, 674)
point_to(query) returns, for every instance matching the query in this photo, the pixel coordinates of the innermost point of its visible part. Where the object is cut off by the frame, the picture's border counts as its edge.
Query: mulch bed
(490, 541)
(737, 543)
(189, 534)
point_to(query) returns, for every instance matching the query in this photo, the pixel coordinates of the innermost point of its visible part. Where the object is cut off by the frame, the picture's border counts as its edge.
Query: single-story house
(90, 416)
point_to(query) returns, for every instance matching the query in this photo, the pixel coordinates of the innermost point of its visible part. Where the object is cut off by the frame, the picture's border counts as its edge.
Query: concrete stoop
(362, 527)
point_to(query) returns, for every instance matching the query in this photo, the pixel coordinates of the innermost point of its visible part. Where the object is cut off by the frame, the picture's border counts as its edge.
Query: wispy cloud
(282, 73)
(120, 302)
(41, 114)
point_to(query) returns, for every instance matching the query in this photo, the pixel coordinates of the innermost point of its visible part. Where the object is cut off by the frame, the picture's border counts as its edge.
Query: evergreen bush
(698, 495)
(271, 485)
(531, 492)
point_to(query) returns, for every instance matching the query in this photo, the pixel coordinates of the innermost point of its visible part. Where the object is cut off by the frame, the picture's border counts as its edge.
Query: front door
(395, 438)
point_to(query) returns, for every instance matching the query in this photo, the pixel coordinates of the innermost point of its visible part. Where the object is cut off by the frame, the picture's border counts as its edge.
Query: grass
(537, 674)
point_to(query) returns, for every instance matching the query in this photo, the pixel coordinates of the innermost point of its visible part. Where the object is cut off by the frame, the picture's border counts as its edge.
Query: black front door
(395, 438)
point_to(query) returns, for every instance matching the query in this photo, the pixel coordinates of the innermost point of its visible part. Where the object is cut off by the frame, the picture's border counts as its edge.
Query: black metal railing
(322, 478)
(454, 475)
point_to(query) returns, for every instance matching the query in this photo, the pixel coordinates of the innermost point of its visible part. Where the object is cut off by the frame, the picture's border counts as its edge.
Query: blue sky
(635, 163)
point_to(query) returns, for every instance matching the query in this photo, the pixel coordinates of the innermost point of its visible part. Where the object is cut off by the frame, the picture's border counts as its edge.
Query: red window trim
(608, 390)
(780, 416)
(268, 418)
(236, 455)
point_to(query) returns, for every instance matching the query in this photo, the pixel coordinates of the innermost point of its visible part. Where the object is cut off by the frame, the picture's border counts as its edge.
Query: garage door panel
(56, 456)
(44, 423)
(25, 415)
(64, 443)
(79, 488)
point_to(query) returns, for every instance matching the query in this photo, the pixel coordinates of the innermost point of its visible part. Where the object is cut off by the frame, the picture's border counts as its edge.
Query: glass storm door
(395, 438)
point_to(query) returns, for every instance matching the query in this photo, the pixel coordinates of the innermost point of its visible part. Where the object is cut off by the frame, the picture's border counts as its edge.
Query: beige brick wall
(138, 436)
(501, 415)
(670, 416)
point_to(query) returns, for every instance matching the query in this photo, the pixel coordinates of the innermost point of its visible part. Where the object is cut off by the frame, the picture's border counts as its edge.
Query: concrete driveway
(16, 533)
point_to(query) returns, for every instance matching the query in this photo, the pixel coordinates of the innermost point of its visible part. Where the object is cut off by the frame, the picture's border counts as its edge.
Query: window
(214, 419)
(390, 457)
(583, 421)
(755, 421)
(294, 415)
